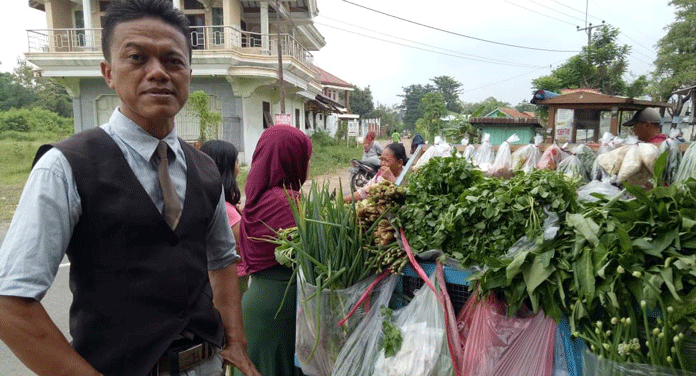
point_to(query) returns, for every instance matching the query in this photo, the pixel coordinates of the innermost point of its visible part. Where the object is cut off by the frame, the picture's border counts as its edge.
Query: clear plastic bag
(551, 157)
(687, 168)
(484, 156)
(573, 168)
(602, 187)
(502, 166)
(593, 365)
(437, 150)
(587, 157)
(424, 351)
(318, 338)
(469, 152)
(497, 345)
(360, 352)
(674, 157)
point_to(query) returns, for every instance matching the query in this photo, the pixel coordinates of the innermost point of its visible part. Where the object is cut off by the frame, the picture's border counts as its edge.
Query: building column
(231, 17)
(89, 23)
(265, 45)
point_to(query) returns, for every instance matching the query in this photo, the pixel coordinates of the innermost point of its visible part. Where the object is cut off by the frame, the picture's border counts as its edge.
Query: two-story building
(235, 61)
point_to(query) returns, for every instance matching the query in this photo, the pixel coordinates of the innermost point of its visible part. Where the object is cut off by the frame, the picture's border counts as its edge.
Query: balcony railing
(215, 38)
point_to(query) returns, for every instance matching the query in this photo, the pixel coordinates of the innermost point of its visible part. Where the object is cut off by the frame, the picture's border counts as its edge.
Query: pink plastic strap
(416, 266)
(364, 296)
(440, 297)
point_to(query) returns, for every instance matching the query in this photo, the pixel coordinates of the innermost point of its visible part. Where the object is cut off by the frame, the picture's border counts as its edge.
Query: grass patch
(16, 157)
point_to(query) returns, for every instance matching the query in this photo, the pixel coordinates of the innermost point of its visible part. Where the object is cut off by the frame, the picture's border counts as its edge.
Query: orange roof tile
(329, 79)
(514, 113)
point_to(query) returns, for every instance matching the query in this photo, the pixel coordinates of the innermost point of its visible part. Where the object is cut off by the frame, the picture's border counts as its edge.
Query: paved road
(57, 303)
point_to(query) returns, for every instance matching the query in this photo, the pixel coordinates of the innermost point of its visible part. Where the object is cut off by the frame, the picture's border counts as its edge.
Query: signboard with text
(282, 119)
(353, 129)
(564, 125)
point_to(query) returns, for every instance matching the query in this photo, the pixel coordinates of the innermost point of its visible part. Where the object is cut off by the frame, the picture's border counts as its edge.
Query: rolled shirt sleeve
(220, 243)
(41, 228)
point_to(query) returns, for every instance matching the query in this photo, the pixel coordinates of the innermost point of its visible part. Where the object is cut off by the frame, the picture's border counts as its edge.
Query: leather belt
(187, 356)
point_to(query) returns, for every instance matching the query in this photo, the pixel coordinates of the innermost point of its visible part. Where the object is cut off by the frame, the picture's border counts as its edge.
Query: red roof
(514, 113)
(329, 79)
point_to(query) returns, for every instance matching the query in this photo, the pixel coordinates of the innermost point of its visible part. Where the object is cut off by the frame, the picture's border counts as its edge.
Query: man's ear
(106, 72)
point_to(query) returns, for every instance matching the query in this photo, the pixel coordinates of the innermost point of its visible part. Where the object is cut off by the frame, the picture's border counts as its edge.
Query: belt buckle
(190, 357)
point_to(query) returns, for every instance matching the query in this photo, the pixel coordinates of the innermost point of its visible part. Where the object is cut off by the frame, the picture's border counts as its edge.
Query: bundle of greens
(687, 167)
(429, 194)
(492, 215)
(624, 272)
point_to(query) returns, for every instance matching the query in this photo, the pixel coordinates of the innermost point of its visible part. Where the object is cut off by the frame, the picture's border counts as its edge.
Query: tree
(23, 89)
(361, 102)
(601, 65)
(412, 97)
(389, 118)
(526, 106)
(450, 90)
(209, 121)
(433, 108)
(482, 108)
(13, 94)
(675, 66)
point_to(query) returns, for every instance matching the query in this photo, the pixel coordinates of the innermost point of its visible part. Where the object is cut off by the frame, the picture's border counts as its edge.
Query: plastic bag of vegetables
(597, 172)
(424, 350)
(502, 167)
(526, 158)
(687, 168)
(573, 168)
(361, 350)
(318, 338)
(551, 157)
(587, 157)
(674, 157)
(484, 156)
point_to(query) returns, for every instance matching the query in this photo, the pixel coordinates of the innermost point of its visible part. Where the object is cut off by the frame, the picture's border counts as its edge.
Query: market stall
(534, 261)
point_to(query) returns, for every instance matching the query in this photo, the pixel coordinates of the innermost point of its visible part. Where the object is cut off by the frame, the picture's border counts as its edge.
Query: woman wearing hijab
(279, 167)
(372, 149)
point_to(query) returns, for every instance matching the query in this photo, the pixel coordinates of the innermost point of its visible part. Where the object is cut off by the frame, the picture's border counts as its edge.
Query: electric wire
(492, 60)
(539, 13)
(455, 33)
(484, 60)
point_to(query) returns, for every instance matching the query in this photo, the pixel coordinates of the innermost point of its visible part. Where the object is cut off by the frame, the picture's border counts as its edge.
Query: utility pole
(589, 28)
(281, 84)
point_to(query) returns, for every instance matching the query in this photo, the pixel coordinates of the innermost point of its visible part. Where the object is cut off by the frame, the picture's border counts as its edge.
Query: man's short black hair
(129, 10)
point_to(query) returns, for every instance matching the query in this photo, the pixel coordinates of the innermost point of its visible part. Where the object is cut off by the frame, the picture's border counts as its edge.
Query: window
(193, 4)
(267, 122)
(297, 117)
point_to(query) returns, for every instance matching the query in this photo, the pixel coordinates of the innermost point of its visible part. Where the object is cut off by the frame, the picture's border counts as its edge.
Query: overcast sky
(387, 54)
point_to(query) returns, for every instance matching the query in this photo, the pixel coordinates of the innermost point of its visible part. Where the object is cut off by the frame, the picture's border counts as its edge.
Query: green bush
(34, 120)
(320, 138)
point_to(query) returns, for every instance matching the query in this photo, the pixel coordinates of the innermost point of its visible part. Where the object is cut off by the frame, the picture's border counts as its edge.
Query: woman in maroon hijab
(279, 167)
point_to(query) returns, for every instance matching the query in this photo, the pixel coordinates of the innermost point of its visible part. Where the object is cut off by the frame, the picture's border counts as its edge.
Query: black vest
(136, 284)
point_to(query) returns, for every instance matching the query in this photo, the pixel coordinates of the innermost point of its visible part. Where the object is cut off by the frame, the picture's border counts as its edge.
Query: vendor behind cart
(392, 161)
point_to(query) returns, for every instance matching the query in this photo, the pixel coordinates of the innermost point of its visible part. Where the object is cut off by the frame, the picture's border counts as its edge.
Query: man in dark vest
(141, 217)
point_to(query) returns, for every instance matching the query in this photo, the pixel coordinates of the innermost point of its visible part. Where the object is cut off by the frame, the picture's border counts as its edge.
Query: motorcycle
(361, 173)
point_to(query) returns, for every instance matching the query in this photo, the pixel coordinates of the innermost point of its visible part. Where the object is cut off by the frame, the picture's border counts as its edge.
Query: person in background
(417, 140)
(141, 216)
(396, 137)
(392, 162)
(279, 167)
(371, 149)
(646, 126)
(224, 154)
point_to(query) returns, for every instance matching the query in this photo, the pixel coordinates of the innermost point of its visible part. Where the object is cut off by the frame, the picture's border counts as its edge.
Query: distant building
(503, 122)
(235, 61)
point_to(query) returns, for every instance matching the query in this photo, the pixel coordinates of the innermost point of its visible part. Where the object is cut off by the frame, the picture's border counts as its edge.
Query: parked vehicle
(361, 173)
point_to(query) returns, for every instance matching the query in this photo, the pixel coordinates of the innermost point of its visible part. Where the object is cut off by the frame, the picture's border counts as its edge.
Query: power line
(555, 10)
(484, 60)
(502, 81)
(424, 44)
(539, 13)
(454, 33)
